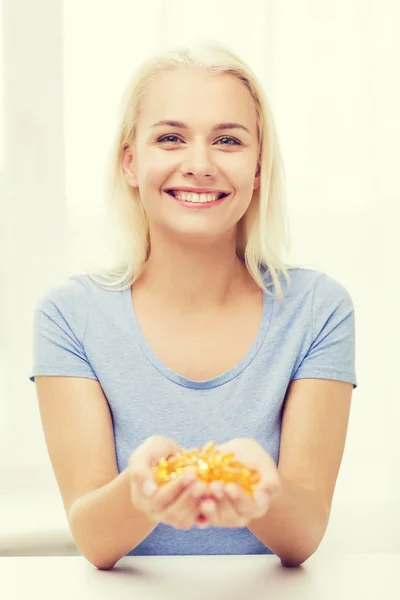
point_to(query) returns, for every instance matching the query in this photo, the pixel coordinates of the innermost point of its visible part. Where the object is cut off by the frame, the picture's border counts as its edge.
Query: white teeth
(186, 197)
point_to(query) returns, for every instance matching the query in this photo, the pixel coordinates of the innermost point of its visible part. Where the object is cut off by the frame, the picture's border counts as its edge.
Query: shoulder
(65, 306)
(330, 292)
(316, 286)
(66, 295)
(326, 306)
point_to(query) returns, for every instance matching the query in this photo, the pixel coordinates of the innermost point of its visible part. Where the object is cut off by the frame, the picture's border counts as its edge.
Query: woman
(191, 337)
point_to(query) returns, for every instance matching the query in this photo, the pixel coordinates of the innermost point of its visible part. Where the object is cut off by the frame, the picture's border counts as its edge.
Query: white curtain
(331, 71)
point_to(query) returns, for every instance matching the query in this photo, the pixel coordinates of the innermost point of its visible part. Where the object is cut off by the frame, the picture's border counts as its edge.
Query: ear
(128, 167)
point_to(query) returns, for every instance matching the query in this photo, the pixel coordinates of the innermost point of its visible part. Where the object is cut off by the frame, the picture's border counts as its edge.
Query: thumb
(160, 447)
(151, 451)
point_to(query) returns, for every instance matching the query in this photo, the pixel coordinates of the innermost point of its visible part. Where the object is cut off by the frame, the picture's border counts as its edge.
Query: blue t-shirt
(83, 330)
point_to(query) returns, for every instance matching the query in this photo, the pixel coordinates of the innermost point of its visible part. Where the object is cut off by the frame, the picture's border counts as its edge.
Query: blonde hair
(262, 232)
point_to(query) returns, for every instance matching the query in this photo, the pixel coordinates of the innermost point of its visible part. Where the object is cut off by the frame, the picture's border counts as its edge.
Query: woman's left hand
(234, 507)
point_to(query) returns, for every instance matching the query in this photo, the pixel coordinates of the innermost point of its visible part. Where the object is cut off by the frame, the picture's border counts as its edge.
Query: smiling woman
(197, 119)
(158, 159)
(190, 337)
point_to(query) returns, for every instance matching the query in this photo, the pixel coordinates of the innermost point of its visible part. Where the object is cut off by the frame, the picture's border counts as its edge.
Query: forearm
(294, 524)
(105, 525)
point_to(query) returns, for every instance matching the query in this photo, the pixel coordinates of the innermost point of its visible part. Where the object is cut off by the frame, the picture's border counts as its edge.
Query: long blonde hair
(262, 232)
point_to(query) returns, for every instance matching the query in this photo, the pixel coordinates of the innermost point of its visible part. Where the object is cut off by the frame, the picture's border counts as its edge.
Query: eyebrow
(219, 127)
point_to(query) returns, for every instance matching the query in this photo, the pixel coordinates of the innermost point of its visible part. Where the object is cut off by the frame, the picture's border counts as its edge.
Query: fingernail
(232, 492)
(208, 507)
(149, 487)
(218, 493)
(198, 490)
(188, 478)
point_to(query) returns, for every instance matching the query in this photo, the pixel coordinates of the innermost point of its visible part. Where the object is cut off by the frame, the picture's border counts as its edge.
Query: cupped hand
(174, 503)
(234, 507)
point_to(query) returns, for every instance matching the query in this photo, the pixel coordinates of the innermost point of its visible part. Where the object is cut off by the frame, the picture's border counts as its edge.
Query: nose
(198, 162)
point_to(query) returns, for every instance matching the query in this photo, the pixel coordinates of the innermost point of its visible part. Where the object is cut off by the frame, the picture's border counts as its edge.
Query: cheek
(241, 171)
(245, 187)
(156, 175)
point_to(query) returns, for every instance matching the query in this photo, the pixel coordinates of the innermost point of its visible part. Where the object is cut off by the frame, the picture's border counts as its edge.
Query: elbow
(296, 556)
(101, 563)
(304, 550)
(88, 551)
(103, 566)
(290, 563)
(296, 559)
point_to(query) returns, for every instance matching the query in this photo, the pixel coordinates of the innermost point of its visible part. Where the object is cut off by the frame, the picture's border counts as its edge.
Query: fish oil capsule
(210, 465)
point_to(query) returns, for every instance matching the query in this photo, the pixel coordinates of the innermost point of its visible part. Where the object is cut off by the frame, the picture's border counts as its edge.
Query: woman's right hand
(174, 503)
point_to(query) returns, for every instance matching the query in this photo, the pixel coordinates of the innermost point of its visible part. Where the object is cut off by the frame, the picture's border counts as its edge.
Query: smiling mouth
(187, 197)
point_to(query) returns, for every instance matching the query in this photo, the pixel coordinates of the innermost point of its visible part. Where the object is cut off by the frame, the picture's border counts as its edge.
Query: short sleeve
(331, 352)
(59, 324)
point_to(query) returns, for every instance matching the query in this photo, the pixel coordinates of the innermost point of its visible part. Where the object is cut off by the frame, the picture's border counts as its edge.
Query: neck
(189, 276)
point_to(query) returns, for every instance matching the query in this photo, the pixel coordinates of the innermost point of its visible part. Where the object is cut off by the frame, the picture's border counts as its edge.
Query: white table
(249, 577)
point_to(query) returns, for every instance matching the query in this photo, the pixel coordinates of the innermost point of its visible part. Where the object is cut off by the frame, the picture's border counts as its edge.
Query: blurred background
(330, 69)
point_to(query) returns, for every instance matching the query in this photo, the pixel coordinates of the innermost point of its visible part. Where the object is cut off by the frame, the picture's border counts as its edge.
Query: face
(194, 151)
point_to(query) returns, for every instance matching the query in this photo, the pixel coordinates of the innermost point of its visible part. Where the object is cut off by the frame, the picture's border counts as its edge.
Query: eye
(235, 141)
(167, 139)
(164, 138)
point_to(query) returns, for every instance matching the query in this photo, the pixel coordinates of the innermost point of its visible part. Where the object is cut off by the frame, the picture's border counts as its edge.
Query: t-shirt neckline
(172, 375)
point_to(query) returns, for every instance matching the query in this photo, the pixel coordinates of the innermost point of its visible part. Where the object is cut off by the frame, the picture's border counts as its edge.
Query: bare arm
(314, 429)
(294, 524)
(79, 435)
(105, 525)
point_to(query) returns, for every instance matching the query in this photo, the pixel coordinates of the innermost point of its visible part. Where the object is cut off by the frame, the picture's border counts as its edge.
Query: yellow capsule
(210, 465)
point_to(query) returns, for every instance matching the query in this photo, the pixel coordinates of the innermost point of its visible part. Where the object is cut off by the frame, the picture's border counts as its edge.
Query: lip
(196, 190)
(196, 205)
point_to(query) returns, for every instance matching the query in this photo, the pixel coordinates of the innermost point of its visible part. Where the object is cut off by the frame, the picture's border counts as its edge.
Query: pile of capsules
(210, 465)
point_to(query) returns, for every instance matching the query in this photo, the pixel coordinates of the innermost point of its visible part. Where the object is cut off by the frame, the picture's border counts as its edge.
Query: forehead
(195, 96)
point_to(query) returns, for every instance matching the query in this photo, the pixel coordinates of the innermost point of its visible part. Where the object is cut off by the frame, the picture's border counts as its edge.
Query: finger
(221, 513)
(140, 487)
(262, 502)
(240, 500)
(198, 491)
(212, 502)
(210, 509)
(168, 493)
(231, 512)
(183, 512)
(151, 450)
(154, 500)
(202, 521)
(143, 483)
(272, 486)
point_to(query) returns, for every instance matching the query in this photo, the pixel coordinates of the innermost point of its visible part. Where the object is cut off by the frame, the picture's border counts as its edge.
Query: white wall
(328, 69)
